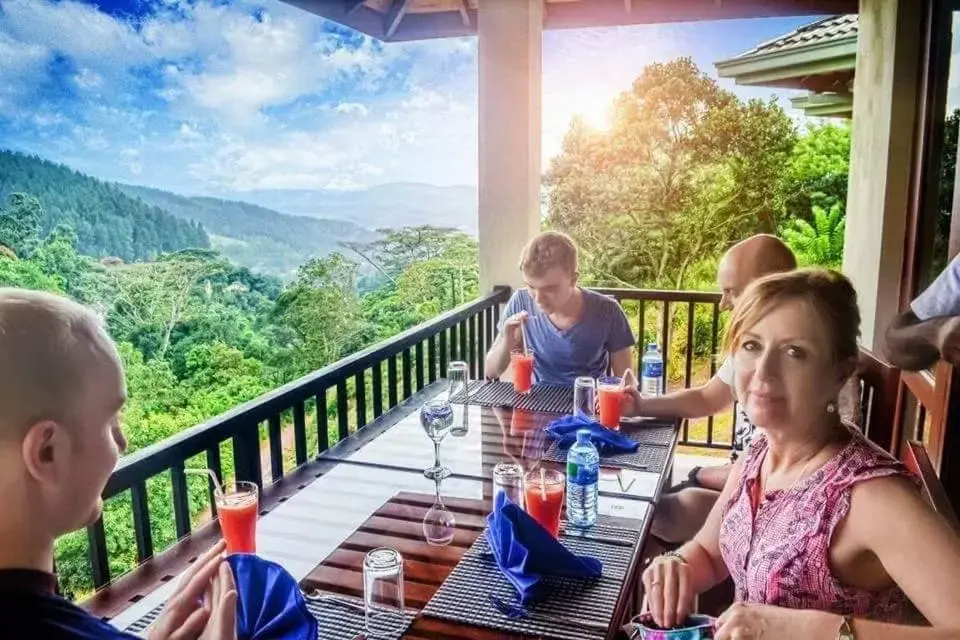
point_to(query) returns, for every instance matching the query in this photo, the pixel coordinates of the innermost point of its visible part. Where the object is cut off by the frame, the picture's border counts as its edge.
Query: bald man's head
(50, 348)
(748, 260)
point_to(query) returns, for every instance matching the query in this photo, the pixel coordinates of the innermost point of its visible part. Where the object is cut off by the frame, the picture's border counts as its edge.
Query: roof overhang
(789, 68)
(401, 20)
(825, 105)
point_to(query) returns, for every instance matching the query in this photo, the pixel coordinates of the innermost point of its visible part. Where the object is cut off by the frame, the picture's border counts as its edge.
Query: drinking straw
(543, 484)
(210, 474)
(523, 337)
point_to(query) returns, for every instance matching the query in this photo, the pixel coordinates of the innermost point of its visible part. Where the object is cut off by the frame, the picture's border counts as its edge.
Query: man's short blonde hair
(548, 250)
(47, 346)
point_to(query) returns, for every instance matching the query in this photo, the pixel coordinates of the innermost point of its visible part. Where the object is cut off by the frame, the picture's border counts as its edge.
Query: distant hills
(107, 221)
(136, 223)
(256, 237)
(389, 205)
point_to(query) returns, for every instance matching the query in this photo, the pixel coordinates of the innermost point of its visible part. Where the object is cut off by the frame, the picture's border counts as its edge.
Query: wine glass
(436, 418)
(439, 524)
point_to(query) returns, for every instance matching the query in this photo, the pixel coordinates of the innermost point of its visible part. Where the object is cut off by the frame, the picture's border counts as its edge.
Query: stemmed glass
(439, 525)
(436, 418)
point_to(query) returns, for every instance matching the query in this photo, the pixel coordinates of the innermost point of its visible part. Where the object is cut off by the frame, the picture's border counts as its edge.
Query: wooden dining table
(487, 436)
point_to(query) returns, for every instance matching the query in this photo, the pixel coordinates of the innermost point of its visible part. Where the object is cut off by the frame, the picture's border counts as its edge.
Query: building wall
(886, 86)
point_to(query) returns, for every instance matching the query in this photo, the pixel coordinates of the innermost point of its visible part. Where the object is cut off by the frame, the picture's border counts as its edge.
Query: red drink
(610, 398)
(238, 517)
(543, 498)
(522, 371)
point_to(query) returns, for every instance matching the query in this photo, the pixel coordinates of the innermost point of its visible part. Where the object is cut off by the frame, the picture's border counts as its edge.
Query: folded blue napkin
(269, 603)
(526, 552)
(607, 441)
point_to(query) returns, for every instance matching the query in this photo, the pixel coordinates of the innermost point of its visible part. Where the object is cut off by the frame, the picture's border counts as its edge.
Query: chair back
(879, 386)
(916, 459)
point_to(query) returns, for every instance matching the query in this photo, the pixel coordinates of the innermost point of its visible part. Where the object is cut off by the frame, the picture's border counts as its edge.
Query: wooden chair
(916, 459)
(879, 385)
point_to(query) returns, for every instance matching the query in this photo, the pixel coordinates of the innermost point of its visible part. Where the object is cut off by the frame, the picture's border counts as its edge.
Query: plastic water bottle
(583, 473)
(651, 375)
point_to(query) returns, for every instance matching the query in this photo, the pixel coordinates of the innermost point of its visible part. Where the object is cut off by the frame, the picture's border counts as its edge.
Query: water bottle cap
(652, 346)
(583, 436)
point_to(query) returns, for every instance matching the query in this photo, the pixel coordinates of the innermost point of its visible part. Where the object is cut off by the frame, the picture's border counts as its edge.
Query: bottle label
(582, 476)
(572, 469)
(652, 369)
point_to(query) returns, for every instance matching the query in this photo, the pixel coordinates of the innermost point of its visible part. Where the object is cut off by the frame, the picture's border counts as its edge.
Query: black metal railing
(689, 321)
(423, 351)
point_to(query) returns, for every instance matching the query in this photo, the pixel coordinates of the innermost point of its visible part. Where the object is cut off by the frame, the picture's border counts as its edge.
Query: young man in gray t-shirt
(572, 331)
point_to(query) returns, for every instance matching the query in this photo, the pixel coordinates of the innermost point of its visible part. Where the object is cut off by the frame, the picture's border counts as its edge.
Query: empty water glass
(383, 593)
(584, 397)
(458, 379)
(508, 477)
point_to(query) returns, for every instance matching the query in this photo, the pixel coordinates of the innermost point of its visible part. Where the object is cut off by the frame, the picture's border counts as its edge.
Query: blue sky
(222, 98)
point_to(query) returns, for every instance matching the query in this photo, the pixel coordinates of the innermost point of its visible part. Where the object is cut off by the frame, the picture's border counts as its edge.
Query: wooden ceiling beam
(394, 15)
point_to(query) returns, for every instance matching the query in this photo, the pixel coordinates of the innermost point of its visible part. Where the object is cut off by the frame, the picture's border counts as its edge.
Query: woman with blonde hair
(825, 535)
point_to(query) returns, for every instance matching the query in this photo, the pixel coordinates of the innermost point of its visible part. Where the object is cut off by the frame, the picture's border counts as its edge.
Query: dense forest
(106, 221)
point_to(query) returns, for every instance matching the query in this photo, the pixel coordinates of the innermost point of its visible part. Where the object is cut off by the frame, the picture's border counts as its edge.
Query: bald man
(61, 392)
(682, 511)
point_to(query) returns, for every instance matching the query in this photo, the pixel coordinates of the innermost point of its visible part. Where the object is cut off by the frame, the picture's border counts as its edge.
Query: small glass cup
(508, 477)
(522, 363)
(458, 379)
(543, 491)
(610, 400)
(237, 508)
(584, 397)
(383, 603)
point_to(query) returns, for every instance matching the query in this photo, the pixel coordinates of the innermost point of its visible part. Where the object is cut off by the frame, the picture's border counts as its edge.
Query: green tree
(818, 243)
(20, 223)
(819, 169)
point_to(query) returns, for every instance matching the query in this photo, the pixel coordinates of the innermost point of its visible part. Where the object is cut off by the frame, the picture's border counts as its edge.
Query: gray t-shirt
(743, 429)
(582, 350)
(942, 298)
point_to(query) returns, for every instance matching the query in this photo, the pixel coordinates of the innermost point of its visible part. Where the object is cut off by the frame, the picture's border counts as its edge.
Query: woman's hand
(669, 588)
(630, 400)
(766, 622)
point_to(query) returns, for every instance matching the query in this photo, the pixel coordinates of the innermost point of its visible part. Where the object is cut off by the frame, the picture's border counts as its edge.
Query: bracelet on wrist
(673, 553)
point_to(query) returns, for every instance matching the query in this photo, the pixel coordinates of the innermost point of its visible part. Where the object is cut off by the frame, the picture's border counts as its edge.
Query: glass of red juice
(237, 506)
(543, 498)
(609, 401)
(522, 370)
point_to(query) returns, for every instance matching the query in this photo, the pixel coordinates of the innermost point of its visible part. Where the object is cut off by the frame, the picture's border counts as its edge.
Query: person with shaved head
(683, 509)
(61, 393)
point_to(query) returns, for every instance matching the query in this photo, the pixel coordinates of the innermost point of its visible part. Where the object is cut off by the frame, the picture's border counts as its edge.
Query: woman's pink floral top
(778, 552)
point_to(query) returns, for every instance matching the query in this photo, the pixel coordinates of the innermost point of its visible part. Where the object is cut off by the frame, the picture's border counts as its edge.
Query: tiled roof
(822, 31)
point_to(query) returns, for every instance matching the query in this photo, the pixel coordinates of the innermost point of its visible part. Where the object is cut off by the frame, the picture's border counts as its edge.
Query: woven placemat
(542, 397)
(465, 595)
(342, 618)
(338, 617)
(647, 457)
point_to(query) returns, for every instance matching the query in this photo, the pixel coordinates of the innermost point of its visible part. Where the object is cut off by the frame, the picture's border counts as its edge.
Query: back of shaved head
(47, 345)
(761, 255)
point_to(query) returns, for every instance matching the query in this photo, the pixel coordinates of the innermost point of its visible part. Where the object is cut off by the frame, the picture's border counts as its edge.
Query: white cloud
(88, 79)
(352, 108)
(189, 133)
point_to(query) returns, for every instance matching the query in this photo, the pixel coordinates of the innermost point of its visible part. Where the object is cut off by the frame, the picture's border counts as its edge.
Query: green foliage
(20, 222)
(106, 221)
(818, 243)
(819, 169)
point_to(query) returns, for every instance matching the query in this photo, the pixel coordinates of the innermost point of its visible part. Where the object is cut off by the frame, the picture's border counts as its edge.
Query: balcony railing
(349, 395)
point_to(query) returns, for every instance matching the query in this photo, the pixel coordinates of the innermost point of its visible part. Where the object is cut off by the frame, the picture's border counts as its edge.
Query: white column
(885, 90)
(510, 76)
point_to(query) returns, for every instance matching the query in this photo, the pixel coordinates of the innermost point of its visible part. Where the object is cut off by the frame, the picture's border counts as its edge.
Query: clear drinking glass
(436, 418)
(584, 397)
(383, 593)
(508, 477)
(458, 378)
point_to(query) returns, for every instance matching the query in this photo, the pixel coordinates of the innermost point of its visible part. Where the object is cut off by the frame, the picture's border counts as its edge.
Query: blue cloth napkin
(607, 441)
(525, 551)
(269, 603)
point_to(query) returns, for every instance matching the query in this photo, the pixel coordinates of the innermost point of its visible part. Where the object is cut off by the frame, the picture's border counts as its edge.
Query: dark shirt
(30, 609)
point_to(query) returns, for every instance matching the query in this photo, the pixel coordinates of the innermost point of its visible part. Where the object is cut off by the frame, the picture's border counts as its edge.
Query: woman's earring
(831, 407)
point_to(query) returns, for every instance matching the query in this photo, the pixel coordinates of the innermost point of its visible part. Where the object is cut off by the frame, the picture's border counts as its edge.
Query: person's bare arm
(915, 344)
(620, 361)
(714, 477)
(698, 402)
(510, 339)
